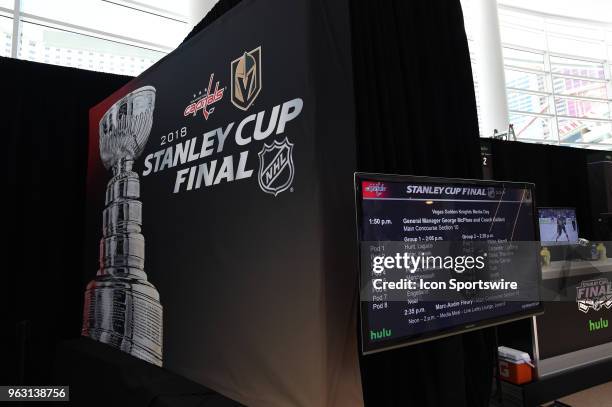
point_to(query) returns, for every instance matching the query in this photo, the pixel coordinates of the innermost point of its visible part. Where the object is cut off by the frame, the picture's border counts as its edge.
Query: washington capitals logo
(377, 188)
(204, 102)
(246, 78)
(276, 169)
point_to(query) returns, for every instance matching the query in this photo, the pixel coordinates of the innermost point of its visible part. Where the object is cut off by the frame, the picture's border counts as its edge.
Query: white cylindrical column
(490, 68)
(198, 9)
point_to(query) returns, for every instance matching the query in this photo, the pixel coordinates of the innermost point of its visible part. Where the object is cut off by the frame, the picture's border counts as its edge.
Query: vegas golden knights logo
(246, 79)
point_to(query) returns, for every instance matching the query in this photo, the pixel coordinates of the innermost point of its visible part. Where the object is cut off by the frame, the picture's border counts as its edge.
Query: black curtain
(561, 178)
(416, 111)
(560, 174)
(416, 114)
(45, 130)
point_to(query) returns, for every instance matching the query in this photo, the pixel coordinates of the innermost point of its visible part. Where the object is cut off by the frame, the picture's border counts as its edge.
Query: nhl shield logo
(246, 78)
(276, 169)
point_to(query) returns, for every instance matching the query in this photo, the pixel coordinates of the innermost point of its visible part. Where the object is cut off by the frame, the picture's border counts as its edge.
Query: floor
(598, 396)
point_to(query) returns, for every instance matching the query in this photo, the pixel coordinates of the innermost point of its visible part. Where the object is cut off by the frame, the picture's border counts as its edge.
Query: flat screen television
(558, 226)
(451, 217)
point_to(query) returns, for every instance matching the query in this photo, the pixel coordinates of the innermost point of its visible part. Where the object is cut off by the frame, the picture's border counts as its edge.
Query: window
(115, 36)
(58, 47)
(558, 77)
(6, 36)
(117, 19)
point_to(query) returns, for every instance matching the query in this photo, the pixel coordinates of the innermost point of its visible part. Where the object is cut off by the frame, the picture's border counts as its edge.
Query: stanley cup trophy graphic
(122, 308)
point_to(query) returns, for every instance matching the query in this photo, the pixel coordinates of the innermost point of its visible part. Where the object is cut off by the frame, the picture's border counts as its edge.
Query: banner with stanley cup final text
(220, 226)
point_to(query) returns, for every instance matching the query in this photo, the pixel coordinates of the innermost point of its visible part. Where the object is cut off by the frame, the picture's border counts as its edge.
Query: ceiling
(597, 10)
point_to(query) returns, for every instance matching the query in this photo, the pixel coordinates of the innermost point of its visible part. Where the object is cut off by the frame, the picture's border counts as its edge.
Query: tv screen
(558, 226)
(479, 237)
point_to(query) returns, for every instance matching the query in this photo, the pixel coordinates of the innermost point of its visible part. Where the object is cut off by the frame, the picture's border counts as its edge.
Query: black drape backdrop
(44, 127)
(416, 114)
(416, 111)
(560, 174)
(561, 178)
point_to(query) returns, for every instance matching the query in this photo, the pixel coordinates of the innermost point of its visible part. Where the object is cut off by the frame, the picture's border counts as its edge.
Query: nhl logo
(246, 78)
(276, 169)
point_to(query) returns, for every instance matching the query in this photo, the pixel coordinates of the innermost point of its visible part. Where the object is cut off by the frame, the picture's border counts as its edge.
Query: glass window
(523, 59)
(111, 18)
(580, 87)
(43, 44)
(582, 108)
(568, 29)
(525, 102)
(525, 80)
(123, 36)
(558, 76)
(576, 67)
(6, 36)
(524, 37)
(581, 131)
(522, 20)
(571, 46)
(532, 128)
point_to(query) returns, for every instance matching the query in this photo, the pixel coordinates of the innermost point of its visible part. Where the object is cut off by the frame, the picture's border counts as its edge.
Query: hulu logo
(376, 335)
(597, 325)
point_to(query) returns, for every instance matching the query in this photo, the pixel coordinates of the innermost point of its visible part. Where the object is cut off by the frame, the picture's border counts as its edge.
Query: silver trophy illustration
(122, 308)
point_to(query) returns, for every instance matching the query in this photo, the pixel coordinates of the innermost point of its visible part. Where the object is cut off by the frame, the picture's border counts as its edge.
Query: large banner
(583, 322)
(215, 243)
